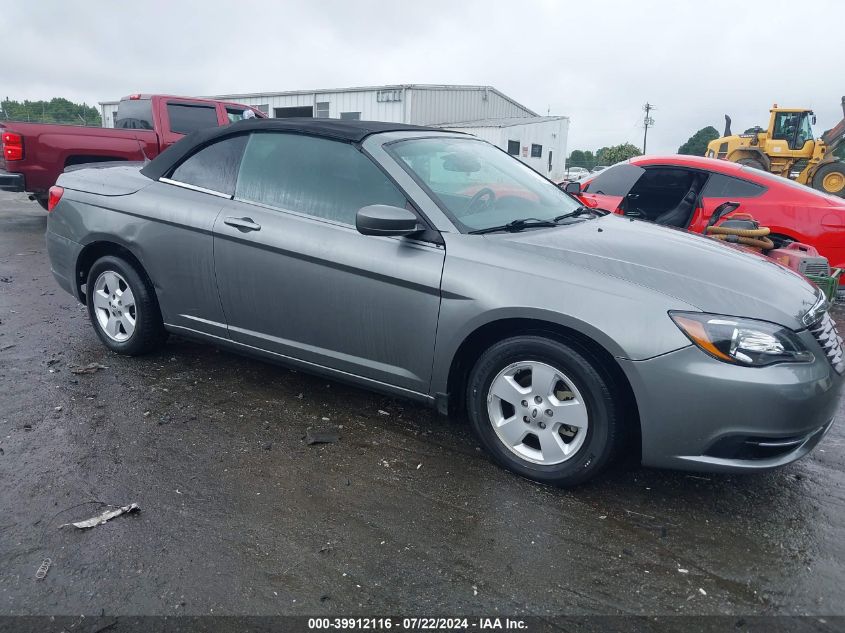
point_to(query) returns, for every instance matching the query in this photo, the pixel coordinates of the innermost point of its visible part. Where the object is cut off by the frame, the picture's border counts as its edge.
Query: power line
(647, 122)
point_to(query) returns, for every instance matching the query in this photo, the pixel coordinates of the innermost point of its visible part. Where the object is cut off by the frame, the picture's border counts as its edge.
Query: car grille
(828, 337)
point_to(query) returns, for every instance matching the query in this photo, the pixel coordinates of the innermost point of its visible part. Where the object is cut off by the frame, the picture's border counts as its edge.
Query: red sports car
(683, 191)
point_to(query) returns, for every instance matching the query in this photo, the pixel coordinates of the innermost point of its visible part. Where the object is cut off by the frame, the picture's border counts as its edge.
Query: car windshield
(479, 186)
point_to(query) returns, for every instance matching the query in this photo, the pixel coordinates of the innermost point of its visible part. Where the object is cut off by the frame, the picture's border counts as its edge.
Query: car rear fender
(88, 221)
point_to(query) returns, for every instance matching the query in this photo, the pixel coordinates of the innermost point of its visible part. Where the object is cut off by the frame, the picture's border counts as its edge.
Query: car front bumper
(11, 182)
(697, 413)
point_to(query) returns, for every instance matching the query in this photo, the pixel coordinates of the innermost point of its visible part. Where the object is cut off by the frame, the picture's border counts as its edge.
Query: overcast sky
(595, 61)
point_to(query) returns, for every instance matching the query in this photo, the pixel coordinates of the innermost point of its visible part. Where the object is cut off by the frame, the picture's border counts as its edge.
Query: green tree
(753, 130)
(576, 159)
(618, 153)
(604, 156)
(581, 158)
(696, 145)
(599, 160)
(56, 110)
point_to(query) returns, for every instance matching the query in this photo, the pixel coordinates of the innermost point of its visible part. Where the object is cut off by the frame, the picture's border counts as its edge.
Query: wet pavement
(403, 514)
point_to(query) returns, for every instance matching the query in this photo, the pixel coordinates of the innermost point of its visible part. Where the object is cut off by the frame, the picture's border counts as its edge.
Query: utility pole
(647, 122)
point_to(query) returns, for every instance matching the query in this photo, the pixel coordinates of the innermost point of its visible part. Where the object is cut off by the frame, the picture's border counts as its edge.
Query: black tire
(149, 333)
(753, 163)
(42, 200)
(604, 429)
(832, 172)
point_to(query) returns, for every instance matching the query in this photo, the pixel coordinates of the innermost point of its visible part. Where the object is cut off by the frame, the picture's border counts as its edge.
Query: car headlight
(742, 341)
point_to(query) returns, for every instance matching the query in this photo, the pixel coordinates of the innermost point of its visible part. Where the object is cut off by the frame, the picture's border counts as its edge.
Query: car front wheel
(543, 410)
(123, 307)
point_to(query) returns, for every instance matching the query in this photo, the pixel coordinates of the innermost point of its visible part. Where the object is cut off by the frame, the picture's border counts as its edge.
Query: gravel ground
(402, 514)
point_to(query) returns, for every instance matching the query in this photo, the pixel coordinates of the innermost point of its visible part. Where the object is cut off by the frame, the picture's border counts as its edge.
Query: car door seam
(437, 321)
(214, 268)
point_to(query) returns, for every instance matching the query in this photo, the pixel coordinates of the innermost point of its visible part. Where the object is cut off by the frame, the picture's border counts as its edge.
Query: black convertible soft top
(342, 130)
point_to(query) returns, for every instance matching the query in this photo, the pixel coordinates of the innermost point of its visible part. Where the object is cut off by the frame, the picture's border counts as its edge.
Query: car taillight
(12, 146)
(53, 197)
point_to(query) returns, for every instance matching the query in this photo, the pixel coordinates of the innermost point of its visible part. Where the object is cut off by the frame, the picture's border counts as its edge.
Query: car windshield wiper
(526, 223)
(582, 210)
(516, 225)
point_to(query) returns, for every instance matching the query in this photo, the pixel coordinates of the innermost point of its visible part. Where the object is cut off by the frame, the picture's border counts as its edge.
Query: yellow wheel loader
(788, 148)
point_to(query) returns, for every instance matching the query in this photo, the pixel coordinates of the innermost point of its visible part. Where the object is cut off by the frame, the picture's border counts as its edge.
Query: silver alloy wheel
(537, 412)
(114, 306)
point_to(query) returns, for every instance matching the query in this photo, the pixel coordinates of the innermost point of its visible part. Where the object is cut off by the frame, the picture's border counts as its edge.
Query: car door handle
(242, 224)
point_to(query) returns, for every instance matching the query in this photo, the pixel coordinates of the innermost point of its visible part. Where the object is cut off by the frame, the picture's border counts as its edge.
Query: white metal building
(472, 109)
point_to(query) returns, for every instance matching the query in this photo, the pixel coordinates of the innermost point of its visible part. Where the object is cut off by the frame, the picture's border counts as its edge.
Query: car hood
(699, 271)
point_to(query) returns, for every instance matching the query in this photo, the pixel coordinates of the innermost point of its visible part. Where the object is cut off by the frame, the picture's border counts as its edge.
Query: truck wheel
(42, 200)
(753, 163)
(123, 307)
(543, 410)
(830, 178)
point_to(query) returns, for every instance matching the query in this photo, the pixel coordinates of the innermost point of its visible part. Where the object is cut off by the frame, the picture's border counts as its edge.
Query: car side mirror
(572, 187)
(383, 219)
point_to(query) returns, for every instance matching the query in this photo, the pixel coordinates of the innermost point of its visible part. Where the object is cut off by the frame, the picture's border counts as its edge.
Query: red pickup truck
(34, 154)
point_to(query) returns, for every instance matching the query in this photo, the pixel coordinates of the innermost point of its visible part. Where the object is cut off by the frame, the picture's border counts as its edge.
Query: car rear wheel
(830, 178)
(123, 307)
(543, 410)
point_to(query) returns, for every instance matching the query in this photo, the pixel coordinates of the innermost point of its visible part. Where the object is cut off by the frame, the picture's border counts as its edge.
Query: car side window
(615, 181)
(721, 186)
(214, 167)
(186, 118)
(326, 179)
(235, 114)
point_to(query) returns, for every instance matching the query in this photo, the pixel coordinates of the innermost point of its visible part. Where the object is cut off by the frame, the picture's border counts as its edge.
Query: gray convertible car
(432, 265)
